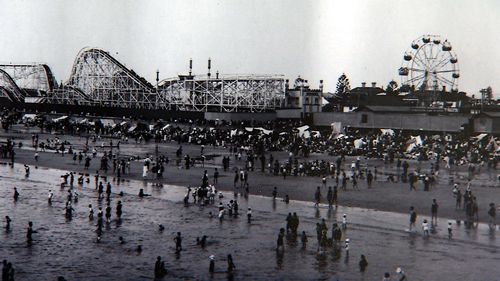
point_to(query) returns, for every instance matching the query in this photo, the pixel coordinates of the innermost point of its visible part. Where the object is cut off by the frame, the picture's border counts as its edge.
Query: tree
(392, 88)
(343, 87)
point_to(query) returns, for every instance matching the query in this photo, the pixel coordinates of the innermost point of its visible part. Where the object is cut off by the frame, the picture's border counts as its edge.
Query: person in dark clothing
(142, 194)
(303, 239)
(413, 218)
(434, 210)
(279, 242)
(5, 271)
(119, 209)
(211, 267)
(178, 243)
(29, 233)
(363, 263)
(230, 264)
(160, 270)
(7, 225)
(16, 194)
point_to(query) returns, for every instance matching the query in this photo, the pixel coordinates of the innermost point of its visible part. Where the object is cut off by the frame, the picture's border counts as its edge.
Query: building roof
(367, 90)
(384, 108)
(491, 114)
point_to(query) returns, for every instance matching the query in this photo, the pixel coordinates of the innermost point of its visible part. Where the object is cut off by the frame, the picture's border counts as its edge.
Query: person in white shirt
(425, 227)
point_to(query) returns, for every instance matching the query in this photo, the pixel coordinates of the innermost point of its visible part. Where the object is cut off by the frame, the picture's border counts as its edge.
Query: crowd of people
(413, 159)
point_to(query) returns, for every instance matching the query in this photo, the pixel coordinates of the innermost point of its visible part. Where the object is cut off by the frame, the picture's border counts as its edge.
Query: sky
(317, 39)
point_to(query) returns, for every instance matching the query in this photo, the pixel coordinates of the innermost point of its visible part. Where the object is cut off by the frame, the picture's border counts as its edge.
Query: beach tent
(302, 130)
(389, 132)
(359, 143)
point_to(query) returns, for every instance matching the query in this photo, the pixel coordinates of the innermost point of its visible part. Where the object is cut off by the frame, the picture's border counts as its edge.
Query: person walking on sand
(413, 218)
(434, 211)
(317, 197)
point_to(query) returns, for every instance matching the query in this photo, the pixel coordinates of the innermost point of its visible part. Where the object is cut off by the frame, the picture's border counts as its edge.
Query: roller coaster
(98, 79)
(19, 82)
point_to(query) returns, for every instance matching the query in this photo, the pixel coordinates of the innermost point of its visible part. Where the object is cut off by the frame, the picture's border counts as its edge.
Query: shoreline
(383, 196)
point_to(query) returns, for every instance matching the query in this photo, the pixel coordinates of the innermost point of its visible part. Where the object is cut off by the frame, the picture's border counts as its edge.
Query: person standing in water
(7, 225)
(230, 264)
(29, 233)
(119, 209)
(91, 212)
(108, 214)
(211, 267)
(16, 194)
(51, 195)
(178, 243)
(303, 239)
(279, 242)
(249, 215)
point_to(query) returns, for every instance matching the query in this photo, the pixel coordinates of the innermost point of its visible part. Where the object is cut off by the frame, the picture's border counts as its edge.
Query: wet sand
(384, 196)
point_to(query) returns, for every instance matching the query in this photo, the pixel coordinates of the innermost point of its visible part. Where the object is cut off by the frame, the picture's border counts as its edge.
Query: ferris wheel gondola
(430, 64)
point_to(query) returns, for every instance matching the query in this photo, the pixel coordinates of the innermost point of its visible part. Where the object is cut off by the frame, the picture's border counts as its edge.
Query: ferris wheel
(430, 64)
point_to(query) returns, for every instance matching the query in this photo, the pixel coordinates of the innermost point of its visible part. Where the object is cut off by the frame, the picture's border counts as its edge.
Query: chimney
(190, 66)
(321, 85)
(209, 66)
(217, 75)
(374, 84)
(363, 84)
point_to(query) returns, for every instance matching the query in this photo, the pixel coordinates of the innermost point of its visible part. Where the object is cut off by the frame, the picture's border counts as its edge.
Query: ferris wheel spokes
(430, 63)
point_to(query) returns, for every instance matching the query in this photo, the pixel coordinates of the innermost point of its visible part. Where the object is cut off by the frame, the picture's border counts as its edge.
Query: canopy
(481, 136)
(389, 132)
(266, 132)
(107, 122)
(359, 143)
(413, 142)
(29, 116)
(60, 118)
(302, 130)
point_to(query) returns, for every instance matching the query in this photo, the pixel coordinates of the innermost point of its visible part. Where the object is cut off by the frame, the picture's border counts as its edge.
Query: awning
(60, 118)
(107, 122)
(29, 116)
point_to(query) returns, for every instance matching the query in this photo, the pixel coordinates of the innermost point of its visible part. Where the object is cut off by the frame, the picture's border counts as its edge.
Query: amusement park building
(397, 117)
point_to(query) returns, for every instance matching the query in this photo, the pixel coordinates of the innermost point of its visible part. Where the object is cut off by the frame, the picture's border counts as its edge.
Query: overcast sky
(314, 39)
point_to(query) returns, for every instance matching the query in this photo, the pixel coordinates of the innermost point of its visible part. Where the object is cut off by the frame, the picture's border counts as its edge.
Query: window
(364, 118)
